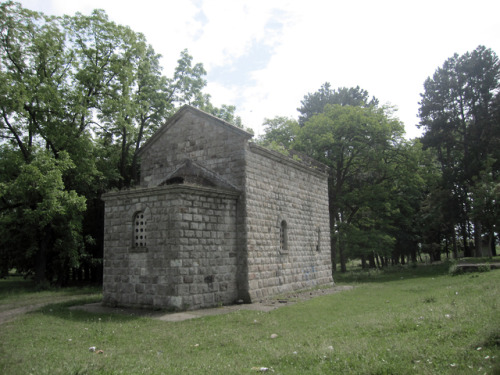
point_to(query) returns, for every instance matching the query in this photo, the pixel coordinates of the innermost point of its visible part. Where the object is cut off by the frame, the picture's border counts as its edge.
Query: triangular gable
(197, 112)
(190, 172)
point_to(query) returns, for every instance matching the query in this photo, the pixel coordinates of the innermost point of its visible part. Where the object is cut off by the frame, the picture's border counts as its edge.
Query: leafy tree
(41, 220)
(280, 133)
(225, 112)
(314, 103)
(459, 114)
(357, 143)
(415, 174)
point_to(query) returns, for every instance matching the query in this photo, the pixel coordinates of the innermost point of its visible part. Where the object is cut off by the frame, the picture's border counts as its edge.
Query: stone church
(216, 219)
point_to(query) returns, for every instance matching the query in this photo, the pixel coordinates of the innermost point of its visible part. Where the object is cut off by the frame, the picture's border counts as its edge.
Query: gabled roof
(197, 112)
(190, 172)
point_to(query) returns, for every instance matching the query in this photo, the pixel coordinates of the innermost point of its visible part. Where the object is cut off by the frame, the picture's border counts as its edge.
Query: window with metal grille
(140, 231)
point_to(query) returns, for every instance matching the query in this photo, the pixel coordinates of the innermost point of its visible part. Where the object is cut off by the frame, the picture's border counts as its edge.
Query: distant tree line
(79, 96)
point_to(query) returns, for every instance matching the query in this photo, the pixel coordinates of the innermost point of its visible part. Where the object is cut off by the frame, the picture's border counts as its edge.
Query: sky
(264, 56)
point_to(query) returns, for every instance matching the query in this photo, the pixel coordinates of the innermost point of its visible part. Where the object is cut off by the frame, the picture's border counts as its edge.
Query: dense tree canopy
(359, 144)
(459, 113)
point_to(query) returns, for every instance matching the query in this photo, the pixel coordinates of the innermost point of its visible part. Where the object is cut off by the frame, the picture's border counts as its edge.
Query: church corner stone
(216, 219)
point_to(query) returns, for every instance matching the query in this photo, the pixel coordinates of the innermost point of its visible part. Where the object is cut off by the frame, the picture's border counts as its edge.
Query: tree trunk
(413, 251)
(41, 256)
(363, 262)
(333, 246)
(467, 252)
(455, 247)
(371, 260)
(478, 251)
(493, 244)
(343, 266)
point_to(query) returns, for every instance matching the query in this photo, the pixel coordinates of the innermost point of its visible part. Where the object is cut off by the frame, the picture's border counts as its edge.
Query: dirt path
(262, 305)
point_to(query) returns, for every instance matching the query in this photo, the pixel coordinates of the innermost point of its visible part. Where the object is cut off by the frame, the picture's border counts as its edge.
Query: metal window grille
(140, 231)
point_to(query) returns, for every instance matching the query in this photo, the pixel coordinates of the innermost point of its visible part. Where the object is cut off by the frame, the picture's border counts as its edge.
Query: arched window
(140, 226)
(283, 236)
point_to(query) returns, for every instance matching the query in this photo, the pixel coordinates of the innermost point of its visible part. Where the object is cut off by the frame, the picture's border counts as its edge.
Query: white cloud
(265, 55)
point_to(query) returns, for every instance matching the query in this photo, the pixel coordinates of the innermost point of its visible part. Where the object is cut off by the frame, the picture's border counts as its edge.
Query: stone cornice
(181, 188)
(317, 169)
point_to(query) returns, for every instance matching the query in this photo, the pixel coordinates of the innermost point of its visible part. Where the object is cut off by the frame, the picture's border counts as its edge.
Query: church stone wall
(189, 260)
(204, 139)
(279, 189)
(214, 245)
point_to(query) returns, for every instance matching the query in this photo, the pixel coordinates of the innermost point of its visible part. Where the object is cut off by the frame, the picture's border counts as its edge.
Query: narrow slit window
(318, 240)
(283, 236)
(140, 232)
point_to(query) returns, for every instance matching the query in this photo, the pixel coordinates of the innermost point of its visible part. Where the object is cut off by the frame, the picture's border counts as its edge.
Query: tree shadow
(392, 273)
(91, 309)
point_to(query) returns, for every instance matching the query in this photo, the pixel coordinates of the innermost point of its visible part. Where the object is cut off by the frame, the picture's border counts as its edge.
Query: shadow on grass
(63, 310)
(17, 285)
(392, 273)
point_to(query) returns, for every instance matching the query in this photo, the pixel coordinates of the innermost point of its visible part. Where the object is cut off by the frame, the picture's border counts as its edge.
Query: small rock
(274, 335)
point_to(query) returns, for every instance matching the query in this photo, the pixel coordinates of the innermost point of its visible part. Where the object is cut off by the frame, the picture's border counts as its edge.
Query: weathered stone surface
(254, 224)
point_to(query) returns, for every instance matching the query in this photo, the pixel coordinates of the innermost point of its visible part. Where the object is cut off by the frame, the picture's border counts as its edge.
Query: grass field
(401, 321)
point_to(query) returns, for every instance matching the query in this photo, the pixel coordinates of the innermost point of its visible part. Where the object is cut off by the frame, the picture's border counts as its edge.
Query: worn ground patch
(262, 305)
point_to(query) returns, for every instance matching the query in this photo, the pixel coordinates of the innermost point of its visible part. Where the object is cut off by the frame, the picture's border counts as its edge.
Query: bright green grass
(405, 321)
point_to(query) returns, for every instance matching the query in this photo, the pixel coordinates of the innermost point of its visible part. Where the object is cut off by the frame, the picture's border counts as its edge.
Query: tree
(280, 133)
(314, 103)
(414, 175)
(357, 143)
(41, 220)
(459, 114)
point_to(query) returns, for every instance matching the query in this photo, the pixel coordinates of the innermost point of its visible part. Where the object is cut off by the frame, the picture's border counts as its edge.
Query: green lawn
(402, 321)
(16, 292)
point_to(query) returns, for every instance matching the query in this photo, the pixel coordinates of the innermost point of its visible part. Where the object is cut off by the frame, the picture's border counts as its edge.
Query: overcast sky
(263, 56)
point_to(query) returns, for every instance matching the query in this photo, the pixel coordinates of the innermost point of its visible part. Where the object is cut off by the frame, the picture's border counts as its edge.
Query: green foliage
(314, 103)
(363, 148)
(459, 112)
(280, 133)
(40, 219)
